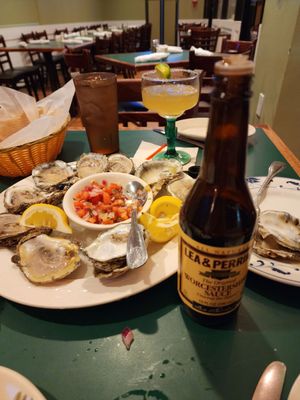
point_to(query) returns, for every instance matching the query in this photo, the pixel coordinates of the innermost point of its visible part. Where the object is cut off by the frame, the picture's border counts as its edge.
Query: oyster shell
(44, 259)
(56, 174)
(157, 173)
(278, 235)
(91, 163)
(180, 188)
(11, 232)
(120, 163)
(108, 251)
(18, 198)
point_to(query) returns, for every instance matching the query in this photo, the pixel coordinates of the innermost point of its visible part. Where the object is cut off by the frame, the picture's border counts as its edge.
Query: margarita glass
(170, 98)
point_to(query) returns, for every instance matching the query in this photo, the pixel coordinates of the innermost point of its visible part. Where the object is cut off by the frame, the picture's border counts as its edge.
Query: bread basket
(20, 160)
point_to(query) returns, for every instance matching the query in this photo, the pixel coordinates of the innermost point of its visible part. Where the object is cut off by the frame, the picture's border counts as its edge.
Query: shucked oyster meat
(108, 251)
(120, 163)
(18, 198)
(157, 173)
(278, 235)
(44, 259)
(56, 174)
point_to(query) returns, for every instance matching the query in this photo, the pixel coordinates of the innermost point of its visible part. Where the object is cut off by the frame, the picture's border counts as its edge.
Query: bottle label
(211, 279)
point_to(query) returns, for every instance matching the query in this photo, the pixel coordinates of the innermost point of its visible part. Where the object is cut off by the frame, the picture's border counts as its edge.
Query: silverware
(274, 169)
(270, 384)
(295, 391)
(136, 254)
(183, 139)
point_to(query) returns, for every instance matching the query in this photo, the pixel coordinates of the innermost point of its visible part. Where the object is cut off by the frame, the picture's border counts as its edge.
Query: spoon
(136, 254)
(271, 382)
(274, 169)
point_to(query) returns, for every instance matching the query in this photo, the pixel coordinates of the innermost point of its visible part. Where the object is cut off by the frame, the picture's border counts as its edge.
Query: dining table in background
(78, 354)
(48, 49)
(126, 61)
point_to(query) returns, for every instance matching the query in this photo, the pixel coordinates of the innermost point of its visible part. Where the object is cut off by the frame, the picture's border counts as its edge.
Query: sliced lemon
(165, 206)
(160, 230)
(163, 70)
(39, 215)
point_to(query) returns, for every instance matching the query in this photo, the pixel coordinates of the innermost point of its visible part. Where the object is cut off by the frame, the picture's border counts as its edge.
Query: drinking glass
(170, 98)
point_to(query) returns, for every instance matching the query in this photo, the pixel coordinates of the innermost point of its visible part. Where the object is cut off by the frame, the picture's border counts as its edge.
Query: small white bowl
(110, 177)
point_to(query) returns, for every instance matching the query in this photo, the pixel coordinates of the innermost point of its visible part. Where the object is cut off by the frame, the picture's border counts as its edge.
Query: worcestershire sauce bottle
(218, 217)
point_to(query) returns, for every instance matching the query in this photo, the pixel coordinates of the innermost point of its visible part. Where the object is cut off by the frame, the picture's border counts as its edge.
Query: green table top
(78, 354)
(129, 57)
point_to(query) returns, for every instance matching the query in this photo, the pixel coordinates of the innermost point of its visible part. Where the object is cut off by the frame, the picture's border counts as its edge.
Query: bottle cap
(234, 65)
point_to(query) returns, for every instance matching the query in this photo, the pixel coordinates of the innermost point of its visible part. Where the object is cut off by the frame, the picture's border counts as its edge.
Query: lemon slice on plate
(163, 70)
(165, 206)
(46, 215)
(160, 230)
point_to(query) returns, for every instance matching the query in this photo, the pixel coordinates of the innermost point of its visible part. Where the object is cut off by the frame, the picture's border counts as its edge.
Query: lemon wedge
(163, 70)
(165, 206)
(160, 230)
(46, 215)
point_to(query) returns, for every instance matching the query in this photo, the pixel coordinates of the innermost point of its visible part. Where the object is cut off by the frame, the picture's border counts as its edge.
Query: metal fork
(22, 396)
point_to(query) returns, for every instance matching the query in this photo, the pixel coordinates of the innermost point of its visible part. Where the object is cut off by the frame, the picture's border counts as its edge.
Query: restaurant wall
(18, 12)
(276, 68)
(58, 11)
(123, 9)
(189, 11)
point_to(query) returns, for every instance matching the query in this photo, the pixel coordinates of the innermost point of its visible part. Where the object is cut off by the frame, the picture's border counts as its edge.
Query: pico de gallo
(103, 203)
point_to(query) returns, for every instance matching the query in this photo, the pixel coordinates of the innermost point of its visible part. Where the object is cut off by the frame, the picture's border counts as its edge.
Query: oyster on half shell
(278, 235)
(53, 175)
(158, 173)
(11, 232)
(91, 163)
(44, 259)
(18, 198)
(108, 251)
(120, 163)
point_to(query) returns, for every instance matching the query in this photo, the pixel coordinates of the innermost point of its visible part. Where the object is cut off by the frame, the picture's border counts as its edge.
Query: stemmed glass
(170, 98)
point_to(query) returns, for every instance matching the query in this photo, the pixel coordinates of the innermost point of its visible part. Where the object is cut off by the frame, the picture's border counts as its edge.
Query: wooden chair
(239, 47)
(60, 31)
(206, 38)
(130, 107)
(11, 76)
(79, 62)
(129, 40)
(145, 37)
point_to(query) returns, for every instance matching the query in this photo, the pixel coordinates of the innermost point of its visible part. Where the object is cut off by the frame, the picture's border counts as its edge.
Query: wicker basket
(20, 160)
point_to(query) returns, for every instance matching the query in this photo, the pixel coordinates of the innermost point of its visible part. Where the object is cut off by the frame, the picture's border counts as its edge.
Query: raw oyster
(54, 175)
(11, 232)
(91, 163)
(157, 173)
(180, 188)
(120, 163)
(278, 235)
(18, 198)
(44, 259)
(108, 251)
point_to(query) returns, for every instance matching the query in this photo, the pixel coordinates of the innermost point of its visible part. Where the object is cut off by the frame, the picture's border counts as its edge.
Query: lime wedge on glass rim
(163, 70)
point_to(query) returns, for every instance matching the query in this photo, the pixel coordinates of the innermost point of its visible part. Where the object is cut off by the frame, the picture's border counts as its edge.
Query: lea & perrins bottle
(218, 217)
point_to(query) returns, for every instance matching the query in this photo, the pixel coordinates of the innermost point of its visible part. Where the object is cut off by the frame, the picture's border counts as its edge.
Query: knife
(182, 139)
(270, 384)
(295, 391)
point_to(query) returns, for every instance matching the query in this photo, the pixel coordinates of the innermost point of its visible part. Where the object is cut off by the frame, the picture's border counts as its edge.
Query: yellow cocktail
(170, 98)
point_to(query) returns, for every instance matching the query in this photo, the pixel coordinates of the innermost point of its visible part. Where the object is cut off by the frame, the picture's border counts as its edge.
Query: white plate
(196, 128)
(283, 194)
(81, 288)
(11, 382)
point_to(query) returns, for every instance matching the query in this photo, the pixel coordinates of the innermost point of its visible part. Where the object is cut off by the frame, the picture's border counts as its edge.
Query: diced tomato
(106, 198)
